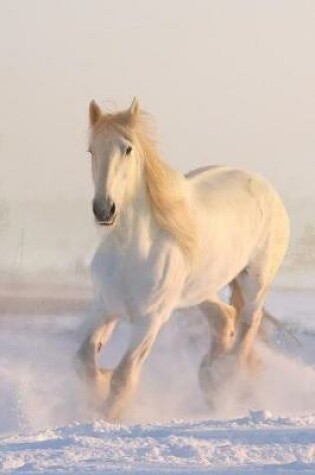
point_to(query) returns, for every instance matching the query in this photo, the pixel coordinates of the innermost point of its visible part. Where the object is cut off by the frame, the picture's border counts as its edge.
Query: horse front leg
(125, 377)
(97, 379)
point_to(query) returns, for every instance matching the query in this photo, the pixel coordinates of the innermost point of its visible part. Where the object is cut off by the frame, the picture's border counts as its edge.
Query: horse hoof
(251, 363)
(214, 377)
(255, 364)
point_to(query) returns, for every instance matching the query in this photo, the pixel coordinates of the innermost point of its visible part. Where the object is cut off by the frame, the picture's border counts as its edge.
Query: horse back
(223, 184)
(238, 204)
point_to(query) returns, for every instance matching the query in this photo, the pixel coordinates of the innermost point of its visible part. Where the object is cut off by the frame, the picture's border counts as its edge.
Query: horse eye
(128, 150)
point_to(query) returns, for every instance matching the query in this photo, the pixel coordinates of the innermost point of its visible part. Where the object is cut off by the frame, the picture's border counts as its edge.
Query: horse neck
(136, 226)
(143, 221)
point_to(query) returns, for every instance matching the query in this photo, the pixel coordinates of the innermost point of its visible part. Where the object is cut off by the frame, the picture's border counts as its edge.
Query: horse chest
(131, 285)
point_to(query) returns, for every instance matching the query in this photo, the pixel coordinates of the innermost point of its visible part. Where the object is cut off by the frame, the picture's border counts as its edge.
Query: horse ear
(95, 112)
(135, 107)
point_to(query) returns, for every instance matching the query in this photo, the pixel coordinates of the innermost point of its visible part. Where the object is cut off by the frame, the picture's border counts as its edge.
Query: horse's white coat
(141, 273)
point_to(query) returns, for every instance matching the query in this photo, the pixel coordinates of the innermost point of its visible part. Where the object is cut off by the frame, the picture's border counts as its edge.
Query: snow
(264, 425)
(245, 445)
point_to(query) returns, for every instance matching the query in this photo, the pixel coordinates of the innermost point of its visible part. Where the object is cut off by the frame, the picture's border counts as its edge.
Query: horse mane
(166, 188)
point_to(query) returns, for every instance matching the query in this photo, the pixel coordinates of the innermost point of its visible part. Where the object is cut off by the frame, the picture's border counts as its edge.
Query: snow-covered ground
(261, 426)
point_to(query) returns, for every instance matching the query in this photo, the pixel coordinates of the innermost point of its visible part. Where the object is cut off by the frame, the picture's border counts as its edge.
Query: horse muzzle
(104, 212)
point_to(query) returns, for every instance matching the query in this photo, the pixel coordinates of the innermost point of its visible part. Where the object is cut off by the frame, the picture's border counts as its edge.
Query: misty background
(227, 82)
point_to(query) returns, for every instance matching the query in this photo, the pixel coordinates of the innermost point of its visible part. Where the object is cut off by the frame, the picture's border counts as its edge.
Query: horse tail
(280, 326)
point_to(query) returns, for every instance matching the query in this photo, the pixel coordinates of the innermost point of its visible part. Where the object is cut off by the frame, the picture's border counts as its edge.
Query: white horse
(171, 242)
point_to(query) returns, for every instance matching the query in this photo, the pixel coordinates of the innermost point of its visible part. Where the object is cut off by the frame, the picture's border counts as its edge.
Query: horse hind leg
(237, 301)
(254, 283)
(221, 318)
(255, 280)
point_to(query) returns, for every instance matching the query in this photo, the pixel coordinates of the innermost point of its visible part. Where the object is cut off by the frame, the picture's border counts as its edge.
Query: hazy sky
(227, 81)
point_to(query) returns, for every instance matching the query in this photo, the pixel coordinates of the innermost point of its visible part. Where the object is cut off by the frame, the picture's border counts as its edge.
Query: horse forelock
(167, 189)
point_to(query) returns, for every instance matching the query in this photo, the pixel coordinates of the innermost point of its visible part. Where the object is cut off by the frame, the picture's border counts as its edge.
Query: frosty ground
(262, 426)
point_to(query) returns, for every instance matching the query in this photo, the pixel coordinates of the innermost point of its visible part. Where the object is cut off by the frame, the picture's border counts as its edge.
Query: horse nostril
(96, 209)
(112, 209)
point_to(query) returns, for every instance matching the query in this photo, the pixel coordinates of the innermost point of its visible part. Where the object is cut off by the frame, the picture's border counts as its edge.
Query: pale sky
(227, 82)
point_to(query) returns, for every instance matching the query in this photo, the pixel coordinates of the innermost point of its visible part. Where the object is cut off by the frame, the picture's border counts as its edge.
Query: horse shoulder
(159, 281)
